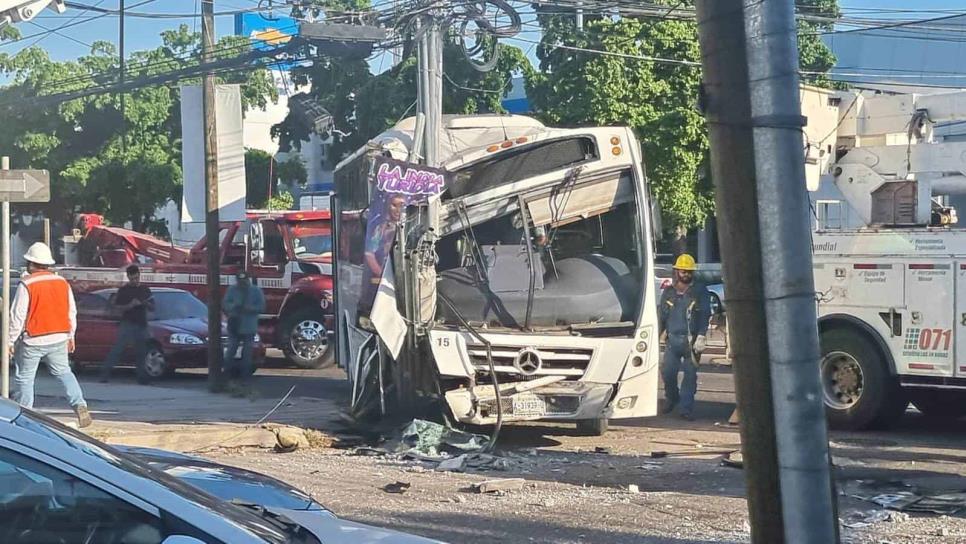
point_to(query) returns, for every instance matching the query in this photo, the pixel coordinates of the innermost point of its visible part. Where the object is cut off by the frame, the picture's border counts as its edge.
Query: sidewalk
(183, 416)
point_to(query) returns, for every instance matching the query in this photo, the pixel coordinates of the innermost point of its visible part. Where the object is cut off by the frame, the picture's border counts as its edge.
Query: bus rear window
(524, 163)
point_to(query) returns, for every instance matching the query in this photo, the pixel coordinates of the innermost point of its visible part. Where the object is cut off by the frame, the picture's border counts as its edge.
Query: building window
(829, 215)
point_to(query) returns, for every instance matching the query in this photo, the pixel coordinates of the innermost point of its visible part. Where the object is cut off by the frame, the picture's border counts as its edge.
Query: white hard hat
(39, 253)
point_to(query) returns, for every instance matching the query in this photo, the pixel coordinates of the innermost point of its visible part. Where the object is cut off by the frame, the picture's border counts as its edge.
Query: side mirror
(180, 539)
(256, 243)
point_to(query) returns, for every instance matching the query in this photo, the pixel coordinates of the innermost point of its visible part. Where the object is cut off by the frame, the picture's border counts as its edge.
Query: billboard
(231, 154)
(267, 30)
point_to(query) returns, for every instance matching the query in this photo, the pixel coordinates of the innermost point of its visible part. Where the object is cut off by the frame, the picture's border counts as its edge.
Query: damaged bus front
(519, 274)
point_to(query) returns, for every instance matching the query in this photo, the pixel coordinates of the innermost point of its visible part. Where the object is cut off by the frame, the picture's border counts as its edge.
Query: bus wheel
(593, 427)
(859, 393)
(941, 405)
(305, 340)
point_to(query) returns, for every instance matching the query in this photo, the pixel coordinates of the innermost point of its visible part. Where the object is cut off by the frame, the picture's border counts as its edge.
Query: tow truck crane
(891, 292)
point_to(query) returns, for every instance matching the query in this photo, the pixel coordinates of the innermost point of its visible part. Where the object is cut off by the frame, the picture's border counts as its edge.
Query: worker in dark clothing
(134, 300)
(683, 314)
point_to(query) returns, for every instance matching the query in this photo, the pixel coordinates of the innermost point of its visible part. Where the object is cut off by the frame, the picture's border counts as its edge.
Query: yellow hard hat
(685, 262)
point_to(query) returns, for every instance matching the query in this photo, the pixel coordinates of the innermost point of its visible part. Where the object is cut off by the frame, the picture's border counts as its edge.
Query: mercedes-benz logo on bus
(527, 361)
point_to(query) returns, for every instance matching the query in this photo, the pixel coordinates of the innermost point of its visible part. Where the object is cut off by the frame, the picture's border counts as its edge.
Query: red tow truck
(289, 255)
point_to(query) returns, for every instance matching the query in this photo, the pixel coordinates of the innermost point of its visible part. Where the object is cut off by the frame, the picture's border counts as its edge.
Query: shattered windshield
(583, 242)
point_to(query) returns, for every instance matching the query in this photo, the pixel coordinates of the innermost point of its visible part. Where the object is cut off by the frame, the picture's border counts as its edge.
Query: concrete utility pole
(749, 62)
(120, 39)
(211, 201)
(790, 311)
(5, 291)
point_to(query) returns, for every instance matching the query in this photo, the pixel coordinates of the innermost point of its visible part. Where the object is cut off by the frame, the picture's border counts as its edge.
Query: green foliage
(282, 201)
(362, 104)
(657, 99)
(813, 54)
(80, 141)
(261, 168)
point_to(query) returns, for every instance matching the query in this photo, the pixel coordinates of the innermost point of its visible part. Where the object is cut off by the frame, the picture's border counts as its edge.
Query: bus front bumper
(528, 401)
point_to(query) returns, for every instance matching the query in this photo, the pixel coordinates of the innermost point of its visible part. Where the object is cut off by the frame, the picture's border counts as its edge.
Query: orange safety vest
(49, 307)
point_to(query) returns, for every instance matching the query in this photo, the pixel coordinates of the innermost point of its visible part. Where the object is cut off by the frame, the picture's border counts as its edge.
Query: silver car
(60, 486)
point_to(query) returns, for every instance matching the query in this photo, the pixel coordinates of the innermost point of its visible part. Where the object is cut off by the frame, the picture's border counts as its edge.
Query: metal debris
(398, 487)
(734, 459)
(504, 484)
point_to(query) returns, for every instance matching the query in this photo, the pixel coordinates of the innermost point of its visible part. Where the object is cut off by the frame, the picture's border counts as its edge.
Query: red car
(178, 327)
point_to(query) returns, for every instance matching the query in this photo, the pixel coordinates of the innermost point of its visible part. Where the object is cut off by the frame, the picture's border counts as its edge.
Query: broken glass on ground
(903, 497)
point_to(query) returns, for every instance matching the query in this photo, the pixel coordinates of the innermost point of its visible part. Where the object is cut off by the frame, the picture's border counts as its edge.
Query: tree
(262, 170)
(363, 104)
(80, 141)
(643, 72)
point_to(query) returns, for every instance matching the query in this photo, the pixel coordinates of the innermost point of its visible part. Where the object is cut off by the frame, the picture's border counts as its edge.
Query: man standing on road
(43, 319)
(243, 303)
(683, 314)
(134, 300)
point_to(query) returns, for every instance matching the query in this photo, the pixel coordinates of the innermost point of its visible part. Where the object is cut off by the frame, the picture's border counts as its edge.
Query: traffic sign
(24, 186)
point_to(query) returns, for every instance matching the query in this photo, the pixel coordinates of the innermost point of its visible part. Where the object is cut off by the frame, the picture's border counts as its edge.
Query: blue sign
(267, 30)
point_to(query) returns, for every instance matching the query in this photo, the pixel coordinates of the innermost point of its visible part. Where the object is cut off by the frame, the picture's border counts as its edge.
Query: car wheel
(153, 367)
(305, 339)
(593, 427)
(858, 390)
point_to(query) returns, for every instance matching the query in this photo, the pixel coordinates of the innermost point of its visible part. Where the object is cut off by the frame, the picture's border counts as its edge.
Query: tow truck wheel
(941, 405)
(305, 340)
(593, 427)
(858, 390)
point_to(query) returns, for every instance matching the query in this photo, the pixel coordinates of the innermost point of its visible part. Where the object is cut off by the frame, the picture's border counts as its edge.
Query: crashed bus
(520, 288)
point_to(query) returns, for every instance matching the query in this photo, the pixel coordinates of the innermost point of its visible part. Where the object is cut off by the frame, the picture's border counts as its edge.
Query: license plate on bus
(529, 406)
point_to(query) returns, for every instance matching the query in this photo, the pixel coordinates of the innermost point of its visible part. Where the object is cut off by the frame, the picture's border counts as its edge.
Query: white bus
(537, 275)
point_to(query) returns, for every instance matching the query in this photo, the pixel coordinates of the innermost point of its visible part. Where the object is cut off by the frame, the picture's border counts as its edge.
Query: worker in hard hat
(683, 315)
(43, 319)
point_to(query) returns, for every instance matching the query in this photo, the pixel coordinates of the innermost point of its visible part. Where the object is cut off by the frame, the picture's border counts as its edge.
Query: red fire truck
(287, 253)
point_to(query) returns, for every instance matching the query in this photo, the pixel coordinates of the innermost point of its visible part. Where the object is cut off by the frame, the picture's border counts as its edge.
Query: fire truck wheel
(942, 405)
(858, 390)
(305, 340)
(593, 427)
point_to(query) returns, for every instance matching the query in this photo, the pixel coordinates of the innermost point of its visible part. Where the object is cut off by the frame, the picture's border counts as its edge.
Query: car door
(97, 325)
(42, 503)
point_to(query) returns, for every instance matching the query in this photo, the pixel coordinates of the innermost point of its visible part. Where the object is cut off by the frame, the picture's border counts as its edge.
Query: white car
(59, 486)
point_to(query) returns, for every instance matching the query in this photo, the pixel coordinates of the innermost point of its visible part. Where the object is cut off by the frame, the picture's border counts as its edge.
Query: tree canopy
(124, 169)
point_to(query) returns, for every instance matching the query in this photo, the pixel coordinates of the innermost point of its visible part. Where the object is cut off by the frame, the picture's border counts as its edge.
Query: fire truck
(889, 260)
(287, 253)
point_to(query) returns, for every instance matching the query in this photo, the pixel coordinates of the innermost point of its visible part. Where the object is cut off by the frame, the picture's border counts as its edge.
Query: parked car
(178, 328)
(60, 485)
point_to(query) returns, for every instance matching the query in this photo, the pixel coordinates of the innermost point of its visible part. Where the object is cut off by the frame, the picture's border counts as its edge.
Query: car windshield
(268, 528)
(311, 238)
(177, 305)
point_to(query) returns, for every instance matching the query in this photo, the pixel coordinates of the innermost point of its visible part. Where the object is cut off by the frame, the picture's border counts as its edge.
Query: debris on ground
(900, 496)
(734, 459)
(397, 487)
(650, 465)
(633, 488)
(475, 461)
(289, 439)
(605, 450)
(428, 440)
(504, 484)
(863, 519)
